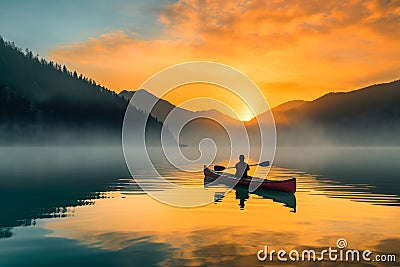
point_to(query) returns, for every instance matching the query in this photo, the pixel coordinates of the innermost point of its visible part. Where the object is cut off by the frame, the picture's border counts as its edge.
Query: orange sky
(291, 49)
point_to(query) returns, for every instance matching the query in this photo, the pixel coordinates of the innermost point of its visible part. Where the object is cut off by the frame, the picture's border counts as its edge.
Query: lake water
(78, 206)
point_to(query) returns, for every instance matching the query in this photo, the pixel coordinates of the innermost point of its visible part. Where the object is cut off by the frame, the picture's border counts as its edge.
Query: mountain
(280, 111)
(289, 105)
(366, 116)
(201, 124)
(164, 107)
(43, 102)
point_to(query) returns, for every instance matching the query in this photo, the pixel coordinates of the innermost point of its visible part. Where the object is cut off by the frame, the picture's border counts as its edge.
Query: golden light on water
(317, 223)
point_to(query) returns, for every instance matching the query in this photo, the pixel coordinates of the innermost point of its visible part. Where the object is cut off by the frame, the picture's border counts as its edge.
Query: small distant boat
(288, 185)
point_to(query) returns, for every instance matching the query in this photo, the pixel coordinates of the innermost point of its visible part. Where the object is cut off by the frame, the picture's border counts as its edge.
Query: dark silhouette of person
(242, 195)
(241, 168)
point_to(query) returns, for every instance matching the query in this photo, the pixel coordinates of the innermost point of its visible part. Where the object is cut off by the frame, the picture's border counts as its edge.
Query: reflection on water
(43, 182)
(79, 206)
(243, 194)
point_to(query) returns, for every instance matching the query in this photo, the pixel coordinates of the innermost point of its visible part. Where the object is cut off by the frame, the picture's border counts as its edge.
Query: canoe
(288, 185)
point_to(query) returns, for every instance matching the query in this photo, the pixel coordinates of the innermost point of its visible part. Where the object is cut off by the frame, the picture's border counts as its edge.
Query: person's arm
(248, 167)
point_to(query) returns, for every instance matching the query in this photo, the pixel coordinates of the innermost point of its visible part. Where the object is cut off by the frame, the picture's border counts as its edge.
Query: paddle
(219, 168)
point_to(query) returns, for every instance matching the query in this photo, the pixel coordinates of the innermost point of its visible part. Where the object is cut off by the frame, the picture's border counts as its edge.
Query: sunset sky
(290, 49)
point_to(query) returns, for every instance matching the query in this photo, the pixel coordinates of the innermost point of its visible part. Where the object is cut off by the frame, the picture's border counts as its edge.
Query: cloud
(320, 46)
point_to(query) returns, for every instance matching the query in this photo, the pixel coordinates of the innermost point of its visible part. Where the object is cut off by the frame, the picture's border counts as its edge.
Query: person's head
(241, 158)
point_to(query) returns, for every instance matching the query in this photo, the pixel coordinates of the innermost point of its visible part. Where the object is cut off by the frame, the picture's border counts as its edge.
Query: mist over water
(376, 166)
(82, 204)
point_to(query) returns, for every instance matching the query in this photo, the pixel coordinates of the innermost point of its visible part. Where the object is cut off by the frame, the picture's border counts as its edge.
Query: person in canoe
(241, 168)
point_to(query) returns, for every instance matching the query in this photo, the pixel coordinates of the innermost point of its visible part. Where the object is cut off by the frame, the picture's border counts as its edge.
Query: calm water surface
(79, 207)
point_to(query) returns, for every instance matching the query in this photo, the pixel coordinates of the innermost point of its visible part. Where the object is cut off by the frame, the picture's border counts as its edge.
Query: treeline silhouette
(42, 101)
(367, 116)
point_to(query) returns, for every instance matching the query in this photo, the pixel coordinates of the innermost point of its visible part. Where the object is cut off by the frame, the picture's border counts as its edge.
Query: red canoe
(288, 186)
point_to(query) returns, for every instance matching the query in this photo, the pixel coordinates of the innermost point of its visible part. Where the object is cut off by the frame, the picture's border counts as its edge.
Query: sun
(246, 114)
